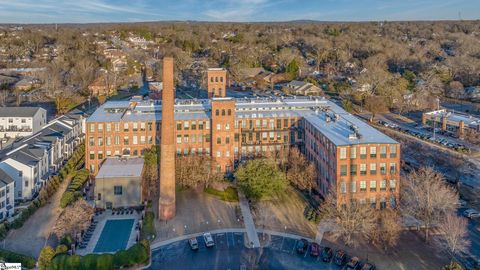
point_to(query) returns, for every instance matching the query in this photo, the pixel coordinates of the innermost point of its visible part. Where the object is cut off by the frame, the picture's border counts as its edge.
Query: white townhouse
(21, 121)
(7, 201)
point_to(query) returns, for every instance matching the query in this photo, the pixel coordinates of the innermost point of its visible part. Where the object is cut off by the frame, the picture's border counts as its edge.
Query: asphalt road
(229, 252)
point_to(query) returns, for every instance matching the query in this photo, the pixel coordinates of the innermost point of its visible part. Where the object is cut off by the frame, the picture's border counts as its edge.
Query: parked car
(193, 243)
(302, 246)
(471, 213)
(208, 240)
(327, 254)
(368, 266)
(340, 257)
(354, 263)
(243, 267)
(314, 249)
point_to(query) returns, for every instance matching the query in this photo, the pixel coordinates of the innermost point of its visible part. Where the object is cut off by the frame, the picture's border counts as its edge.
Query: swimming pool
(115, 235)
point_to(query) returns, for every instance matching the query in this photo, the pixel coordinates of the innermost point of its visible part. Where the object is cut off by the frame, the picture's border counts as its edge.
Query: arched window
(221, 79)
(211, 79)
(223, 112)
(217, 112)
(216, 79)
(229, 112)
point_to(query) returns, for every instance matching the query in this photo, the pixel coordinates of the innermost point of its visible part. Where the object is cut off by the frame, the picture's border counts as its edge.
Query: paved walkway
(36, 231)
(248, 221)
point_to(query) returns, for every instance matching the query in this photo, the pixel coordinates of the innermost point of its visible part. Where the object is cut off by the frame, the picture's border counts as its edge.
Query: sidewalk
(248, 221)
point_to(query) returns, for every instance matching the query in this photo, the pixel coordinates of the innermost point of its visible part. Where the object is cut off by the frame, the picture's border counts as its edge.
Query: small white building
(21, 121)
(7, 202)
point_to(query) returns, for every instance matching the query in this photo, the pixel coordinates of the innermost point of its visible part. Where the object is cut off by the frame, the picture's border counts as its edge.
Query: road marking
(294, 246)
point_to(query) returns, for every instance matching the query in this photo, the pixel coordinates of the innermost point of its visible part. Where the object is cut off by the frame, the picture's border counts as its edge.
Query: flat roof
(339, 127)
(121, 167)
(468, 120)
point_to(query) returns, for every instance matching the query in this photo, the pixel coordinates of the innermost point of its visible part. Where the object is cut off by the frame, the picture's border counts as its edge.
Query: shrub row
(45, 193)
(136, 255)
(312, 215)
(73, 190)
(12, 257)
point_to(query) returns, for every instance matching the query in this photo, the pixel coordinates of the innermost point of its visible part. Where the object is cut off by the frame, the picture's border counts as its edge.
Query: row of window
(142, 126)
(362, 187)
(372, 152)
(244, 124)
(373, 202)
(216, 79)
(116, 140)
(245, 150)
(363, 169)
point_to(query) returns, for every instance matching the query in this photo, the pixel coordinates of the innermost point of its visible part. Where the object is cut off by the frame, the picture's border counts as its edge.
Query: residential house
(302, 88)
(7, 202)
(21, 121)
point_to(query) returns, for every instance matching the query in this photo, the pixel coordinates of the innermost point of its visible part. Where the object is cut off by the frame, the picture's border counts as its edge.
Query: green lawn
(230, 194)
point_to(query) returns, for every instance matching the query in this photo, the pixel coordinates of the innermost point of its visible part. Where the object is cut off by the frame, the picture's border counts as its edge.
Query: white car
(471, 213)
(208, 240)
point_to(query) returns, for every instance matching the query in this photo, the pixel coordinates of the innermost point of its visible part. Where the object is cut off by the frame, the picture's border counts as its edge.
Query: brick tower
(216, 82)
(166, 202)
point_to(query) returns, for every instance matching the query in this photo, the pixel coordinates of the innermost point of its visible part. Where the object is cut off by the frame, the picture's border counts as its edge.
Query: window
(99, 197)
(142, 139)
(92, 126)
(227, 140)
(217, 112)
(108, 127)
(393, 185)
(207, 138)
(135, 127)
(383, 168)
(92, 155)
(117, 140)
(219, 127)
(91, 141)
(125, 127)
(117, 127)
(125, 140)
(186, 125)
(227, 126)
(185, 138)
(229, 112)
(353, 169)
(393, 151)
(227, 153)
(393, 168)
(383, 185)
(142, 126)
(353, 152)
(207, 125)
(373, 152)
(363, 186)
(117, 190)
(109, 141)
(343, 170)
(279, 123)
(100, 127)
(343, 153)
(373, 202)
(100, 141)
(353, 186)
(363, 152)
(100, 155)
(223, 112)
(219, 140)
(194, 125)
(373, 168)
(219, 154)
(363, 169)
(383, 151)
(343, 187)
(179, 125)
(135, 140)
(373, 186)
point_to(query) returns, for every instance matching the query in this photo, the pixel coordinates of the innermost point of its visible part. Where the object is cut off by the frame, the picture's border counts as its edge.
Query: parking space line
(294, 246)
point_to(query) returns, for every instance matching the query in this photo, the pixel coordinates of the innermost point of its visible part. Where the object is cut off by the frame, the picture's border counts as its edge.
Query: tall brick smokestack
(166, 204)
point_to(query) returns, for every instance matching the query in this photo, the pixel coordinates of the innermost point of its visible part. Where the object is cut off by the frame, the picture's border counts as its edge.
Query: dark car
(327, 254)
(368, 266)
(314, 249)
(340, 257)
(354, 263)
(302, 246)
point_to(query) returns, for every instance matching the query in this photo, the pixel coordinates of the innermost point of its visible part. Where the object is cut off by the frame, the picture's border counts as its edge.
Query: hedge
(47, 191)
(138, 254)
(148, 228)
(72, 193)
(9, 256)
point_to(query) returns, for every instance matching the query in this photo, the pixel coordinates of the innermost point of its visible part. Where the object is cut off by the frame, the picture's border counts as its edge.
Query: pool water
(114, 235)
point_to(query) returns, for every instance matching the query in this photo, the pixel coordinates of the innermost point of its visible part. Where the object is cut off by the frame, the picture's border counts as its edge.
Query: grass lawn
(148, 229)
(230, 194)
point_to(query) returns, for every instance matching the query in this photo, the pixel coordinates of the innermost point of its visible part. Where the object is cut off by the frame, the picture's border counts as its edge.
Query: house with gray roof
(21, 121)
(7, 202)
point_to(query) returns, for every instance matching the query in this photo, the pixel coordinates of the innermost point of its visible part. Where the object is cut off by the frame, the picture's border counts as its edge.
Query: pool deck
(102, 220)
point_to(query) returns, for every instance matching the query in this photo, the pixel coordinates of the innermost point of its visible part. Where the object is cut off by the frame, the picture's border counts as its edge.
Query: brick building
(216, 82)
(361, 162)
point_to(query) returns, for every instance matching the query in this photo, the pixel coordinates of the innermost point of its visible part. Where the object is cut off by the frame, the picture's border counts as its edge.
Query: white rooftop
(467, 119)
(121, 167)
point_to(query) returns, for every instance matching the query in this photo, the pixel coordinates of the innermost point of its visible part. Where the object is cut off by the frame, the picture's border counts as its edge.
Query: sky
(89, 11)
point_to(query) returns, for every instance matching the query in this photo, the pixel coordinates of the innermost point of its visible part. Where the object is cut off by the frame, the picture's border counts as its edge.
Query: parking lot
(229, 253)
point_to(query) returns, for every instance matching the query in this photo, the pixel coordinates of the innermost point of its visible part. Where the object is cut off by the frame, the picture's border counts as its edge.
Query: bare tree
(74, 219)
(453, 234)
(348, 220)
(388, 228)
(193, 171)
(375, 105)
(300, 172)
(427, 197)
